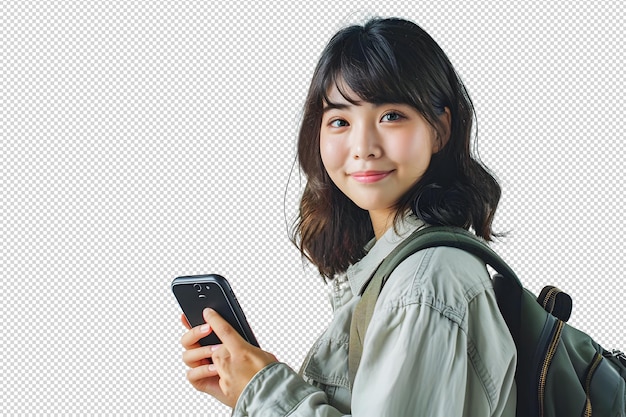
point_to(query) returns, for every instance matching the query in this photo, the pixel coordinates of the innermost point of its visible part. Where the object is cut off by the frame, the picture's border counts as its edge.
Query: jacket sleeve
(423, 355)
(278, 391)
(416, 362)
(419, 359)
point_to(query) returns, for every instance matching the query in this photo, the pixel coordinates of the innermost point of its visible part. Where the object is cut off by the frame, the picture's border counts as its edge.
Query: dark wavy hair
(390, 61)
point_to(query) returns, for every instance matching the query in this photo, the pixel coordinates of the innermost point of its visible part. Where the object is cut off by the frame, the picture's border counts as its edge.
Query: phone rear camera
(197, 287)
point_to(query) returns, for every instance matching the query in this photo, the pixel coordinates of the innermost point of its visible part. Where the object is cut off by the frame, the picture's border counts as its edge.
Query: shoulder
(442, 278)
(445, 295)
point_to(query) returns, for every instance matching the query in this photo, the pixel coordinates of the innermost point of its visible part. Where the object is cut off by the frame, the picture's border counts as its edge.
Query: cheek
(332, 154)
(402, 151)
(410, 149)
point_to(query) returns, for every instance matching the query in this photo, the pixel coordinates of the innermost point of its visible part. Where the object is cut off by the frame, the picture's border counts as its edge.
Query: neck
(382, 220)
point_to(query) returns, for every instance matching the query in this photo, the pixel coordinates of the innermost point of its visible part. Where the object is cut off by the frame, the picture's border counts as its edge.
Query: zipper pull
(619, 355)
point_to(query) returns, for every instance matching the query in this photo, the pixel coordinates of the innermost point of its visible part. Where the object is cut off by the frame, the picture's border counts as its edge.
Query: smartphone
(197, 292)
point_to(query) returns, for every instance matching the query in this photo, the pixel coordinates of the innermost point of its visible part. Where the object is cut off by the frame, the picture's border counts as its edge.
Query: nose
(366, 143)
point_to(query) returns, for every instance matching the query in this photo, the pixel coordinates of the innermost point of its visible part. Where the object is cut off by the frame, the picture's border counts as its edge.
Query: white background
(146, 140)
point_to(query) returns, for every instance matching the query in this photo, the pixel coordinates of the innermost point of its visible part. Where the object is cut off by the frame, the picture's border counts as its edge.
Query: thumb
(222, 329)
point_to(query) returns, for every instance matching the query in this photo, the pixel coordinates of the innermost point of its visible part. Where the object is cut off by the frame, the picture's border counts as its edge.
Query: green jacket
(436, 346)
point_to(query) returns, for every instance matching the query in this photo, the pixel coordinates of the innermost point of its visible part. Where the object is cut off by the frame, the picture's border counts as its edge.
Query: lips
(368, 177)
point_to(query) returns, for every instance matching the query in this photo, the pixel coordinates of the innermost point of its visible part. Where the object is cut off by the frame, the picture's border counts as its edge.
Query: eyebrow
(330, 106)
(341, 106)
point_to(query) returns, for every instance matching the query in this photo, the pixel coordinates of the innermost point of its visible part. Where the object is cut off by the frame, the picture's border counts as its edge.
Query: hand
(201, 375)
(235, 361)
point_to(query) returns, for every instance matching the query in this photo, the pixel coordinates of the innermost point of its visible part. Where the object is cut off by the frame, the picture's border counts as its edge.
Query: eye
(391, 117)
(338, 123)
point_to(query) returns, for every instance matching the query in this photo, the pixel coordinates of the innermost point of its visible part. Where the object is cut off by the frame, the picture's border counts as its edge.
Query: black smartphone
(197, 292)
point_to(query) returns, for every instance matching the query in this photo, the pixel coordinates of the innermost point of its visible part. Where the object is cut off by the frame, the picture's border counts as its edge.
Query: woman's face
(374, 153)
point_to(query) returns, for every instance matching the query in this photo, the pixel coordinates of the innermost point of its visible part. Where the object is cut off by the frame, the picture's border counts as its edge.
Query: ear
(444, 135)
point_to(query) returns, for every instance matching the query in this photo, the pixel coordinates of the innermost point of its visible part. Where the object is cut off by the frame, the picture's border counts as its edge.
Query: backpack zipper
(592, 369)
(543, 376)
(550, 299)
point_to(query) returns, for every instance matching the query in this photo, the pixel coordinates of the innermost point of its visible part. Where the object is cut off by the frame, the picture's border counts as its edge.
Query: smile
(368, 177)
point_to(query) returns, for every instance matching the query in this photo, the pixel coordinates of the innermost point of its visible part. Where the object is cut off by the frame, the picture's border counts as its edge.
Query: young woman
(385, 147)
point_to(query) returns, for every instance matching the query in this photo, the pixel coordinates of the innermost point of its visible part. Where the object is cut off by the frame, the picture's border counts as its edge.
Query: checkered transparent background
(146, 140)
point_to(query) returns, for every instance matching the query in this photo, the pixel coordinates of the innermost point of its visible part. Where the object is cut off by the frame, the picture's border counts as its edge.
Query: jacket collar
(359, 273)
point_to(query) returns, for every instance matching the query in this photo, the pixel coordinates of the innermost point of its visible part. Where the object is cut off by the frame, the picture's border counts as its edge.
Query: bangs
(368, 65)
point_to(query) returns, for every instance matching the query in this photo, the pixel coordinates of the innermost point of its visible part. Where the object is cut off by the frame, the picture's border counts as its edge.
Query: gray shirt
(436, 346)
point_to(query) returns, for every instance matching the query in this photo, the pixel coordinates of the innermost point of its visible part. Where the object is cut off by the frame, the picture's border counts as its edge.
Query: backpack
(560, 372)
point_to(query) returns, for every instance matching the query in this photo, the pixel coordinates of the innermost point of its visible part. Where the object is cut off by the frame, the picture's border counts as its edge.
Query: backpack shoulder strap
(421, 239)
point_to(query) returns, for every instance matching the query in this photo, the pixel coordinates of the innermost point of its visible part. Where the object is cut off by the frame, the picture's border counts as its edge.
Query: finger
(201, 372)
(185, 322)
(226, 333)
(190, 339)
(219, 353)
(198, 356)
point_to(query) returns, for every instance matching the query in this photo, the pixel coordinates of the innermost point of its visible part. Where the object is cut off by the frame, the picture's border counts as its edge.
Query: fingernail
(215, 347)
(212, 367)
(205, 328)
